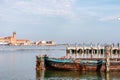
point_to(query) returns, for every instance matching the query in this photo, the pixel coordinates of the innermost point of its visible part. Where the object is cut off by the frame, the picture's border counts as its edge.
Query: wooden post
(98, 50)
(40, 63)
(76, 52)
(91, 50)
(113, 54)
(67, 50)
(83, 50)
(107, 57)
(111, 51)
(118, 50)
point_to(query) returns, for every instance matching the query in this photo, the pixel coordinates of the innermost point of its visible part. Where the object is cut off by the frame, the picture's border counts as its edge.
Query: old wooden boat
(81, 64)
(73, 64)
(69, 64)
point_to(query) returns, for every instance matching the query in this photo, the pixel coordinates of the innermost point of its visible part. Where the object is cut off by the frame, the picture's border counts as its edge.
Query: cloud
(103, 11)
(49, 7)
(118, 18)
(109, 18)
(29, 10)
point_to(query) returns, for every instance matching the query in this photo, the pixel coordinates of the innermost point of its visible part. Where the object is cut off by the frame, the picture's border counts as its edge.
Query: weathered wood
(40, 63)
(107, 57)
(103, 56)
(91, 51)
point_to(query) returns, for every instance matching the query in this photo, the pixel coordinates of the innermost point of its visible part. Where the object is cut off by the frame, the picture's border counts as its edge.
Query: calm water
(19, 62)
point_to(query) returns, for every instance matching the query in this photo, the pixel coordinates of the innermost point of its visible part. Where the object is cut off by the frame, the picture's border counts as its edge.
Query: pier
(109, 53)
(92, 51)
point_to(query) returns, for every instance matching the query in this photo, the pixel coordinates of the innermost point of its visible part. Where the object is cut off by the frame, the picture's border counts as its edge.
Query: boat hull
(80, 64)
(68, 64)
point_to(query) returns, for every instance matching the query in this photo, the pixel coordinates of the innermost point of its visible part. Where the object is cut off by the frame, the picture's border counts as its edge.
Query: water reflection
(76, 75)
(68, 75)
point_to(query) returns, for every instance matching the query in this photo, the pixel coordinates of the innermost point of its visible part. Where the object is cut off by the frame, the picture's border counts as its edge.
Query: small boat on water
(70, 64)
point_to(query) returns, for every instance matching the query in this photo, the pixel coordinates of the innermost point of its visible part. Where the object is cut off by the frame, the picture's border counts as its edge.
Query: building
(43, 42)
(14, 41)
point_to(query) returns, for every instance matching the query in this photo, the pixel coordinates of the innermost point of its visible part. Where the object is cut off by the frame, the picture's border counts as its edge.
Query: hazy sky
(72, 21)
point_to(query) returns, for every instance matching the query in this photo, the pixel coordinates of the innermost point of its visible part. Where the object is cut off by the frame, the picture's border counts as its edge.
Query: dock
(109, 53)
(92, 51)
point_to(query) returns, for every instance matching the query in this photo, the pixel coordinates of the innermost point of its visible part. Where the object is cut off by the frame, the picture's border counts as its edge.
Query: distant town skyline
(64, 21)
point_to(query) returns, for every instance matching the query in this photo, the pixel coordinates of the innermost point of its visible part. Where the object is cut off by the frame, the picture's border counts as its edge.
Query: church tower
(14, 35)
(14, 38)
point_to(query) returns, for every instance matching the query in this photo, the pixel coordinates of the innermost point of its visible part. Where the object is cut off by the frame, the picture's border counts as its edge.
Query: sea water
(19, 63)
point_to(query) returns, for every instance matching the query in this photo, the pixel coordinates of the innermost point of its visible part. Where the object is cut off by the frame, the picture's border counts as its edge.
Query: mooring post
(111, 51)
(113, 54)
(107, 57)
(118, 50)
(83, 47)
(40, 63)
(68, 50)
(91, 50)
(76, 52)
(98, 50)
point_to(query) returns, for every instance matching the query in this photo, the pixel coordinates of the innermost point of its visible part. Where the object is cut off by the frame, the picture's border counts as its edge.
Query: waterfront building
(13, 40)
(43, 42)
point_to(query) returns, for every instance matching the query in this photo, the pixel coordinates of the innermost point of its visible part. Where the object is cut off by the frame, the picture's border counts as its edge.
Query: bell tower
(14, 37)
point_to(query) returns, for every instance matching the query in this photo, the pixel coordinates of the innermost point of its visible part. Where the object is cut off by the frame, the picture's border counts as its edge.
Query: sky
(63, 21)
